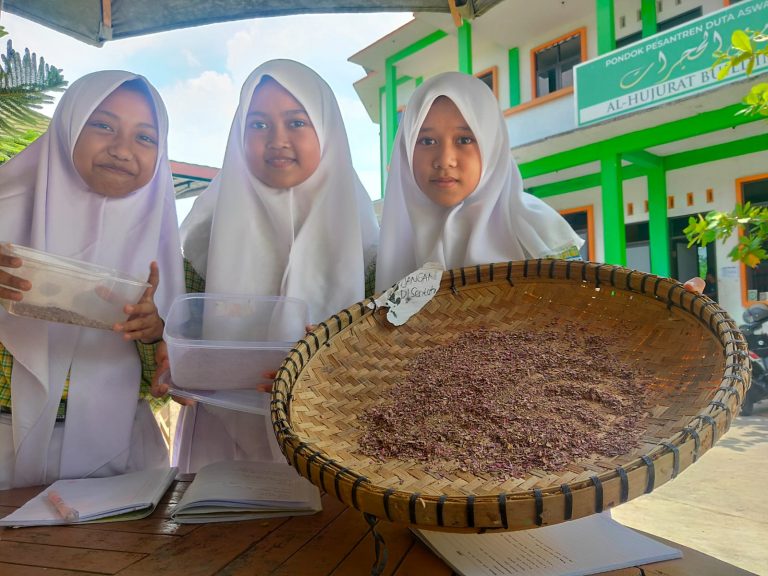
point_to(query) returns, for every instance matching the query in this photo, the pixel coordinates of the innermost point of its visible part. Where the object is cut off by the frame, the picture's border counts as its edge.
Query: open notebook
(226, 491)
(576, 548)
(83, 500)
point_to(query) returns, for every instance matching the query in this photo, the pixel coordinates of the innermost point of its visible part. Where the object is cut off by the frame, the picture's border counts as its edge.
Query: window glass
(487, 79)
(545, 82)
(638, 246)
(554, 65)
(567, 78)
(570, 51)
(579, 221)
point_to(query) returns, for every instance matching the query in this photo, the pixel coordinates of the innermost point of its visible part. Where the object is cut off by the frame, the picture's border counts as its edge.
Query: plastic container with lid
(231, 341)
(71, 291)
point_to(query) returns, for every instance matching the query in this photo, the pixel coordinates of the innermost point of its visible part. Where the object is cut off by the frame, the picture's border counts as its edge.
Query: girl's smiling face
(116, 151)
(281, 144)
(446, 158)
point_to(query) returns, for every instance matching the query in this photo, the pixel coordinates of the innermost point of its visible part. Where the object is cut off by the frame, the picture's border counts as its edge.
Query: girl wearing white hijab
(97, 187)
(286, 216)
(454, 195)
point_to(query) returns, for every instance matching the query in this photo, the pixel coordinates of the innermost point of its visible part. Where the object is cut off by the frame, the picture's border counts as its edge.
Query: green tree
(750, 221)
(744, 48)
(26, 85)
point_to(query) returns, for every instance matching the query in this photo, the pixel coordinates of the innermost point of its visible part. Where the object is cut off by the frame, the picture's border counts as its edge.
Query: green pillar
(382, 145)
(606, 28)
(513, 59)
(614, 234)
(648, 15)
(390, 105)
(390, 87)
(658, 227)
(465, 48)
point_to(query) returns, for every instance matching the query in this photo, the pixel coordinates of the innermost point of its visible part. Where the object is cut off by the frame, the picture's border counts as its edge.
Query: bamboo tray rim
(546, 505)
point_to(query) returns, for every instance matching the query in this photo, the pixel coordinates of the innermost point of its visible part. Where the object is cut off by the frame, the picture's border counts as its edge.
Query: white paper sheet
(576, 548)
(411, 294)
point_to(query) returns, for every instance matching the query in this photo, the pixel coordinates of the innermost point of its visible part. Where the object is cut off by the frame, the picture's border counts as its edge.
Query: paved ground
(719, 505)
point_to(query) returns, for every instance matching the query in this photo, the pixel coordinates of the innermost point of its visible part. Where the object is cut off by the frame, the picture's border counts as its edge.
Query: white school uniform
(495, 223)
(46, 205)
(312, 242)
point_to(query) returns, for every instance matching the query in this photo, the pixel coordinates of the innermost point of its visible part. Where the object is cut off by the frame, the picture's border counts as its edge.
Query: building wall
(719, 176)
(629, 10)
(547, 119)
(580, 199)
(534, 120)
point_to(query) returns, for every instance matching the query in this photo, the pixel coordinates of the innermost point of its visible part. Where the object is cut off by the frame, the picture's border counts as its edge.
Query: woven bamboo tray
(696, 354)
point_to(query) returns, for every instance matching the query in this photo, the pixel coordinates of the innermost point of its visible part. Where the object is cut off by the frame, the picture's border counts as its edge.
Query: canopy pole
(106, 13)
(105, 26)
(455, 13)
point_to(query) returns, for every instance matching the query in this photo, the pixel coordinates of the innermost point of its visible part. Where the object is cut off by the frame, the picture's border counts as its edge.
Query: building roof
(189, 180)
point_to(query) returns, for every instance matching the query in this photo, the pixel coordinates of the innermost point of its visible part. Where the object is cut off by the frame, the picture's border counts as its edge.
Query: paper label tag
(411, 294)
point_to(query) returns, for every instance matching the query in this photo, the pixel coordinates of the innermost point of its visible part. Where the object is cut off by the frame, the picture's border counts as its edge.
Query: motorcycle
(755, 317)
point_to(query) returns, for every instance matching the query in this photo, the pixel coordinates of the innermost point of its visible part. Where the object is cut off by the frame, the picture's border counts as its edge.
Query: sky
(199, 71)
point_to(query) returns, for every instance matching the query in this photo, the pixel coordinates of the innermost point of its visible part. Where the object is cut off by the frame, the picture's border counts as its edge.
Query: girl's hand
(159, 389)
(162, 364)
(267, 386)
(272, 375)
(695, 285)
(144, 322)
(11, 287)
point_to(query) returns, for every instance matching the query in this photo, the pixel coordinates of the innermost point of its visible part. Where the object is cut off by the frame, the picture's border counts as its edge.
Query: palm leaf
(25, 86)
(12, 145)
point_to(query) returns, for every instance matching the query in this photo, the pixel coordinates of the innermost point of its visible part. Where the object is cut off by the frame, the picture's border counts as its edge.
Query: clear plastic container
(71, 291)
(242, 400)
(231, 341)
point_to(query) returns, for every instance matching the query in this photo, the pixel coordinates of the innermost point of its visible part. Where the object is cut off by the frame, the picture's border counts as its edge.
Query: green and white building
(615, 117)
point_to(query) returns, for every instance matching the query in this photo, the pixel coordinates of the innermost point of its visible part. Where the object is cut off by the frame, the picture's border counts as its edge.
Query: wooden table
(334, 542)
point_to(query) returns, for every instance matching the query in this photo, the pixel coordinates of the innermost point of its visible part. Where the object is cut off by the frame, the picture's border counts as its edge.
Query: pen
(67, 512)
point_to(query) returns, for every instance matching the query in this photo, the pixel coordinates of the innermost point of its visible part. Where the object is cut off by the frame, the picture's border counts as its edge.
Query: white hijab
(46, 205)
(312, 241)
(496, 223)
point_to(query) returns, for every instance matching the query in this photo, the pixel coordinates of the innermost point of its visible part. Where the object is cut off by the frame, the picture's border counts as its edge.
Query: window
(582, 222)
(686, 262)
(553, 63)
(638, 246)
(661, 26)
(754, 191)
(489, 78)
